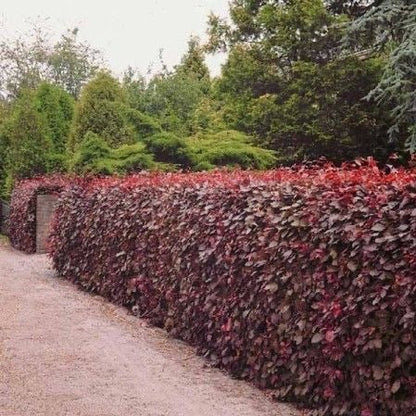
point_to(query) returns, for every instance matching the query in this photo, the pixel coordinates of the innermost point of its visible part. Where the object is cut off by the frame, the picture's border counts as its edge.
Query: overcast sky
(129, 32)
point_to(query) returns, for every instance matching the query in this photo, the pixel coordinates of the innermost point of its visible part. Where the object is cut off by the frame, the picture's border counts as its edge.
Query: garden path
(64, 352)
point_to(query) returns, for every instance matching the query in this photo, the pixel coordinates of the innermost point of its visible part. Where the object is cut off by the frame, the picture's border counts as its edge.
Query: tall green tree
(281, 31)
(4, 143)
(389, 27)
(72, 63)
(102, 110)
(287, 83)
(25, 133)
(172, 96)
(193, 62)
(57, 106)
(134, 85)
(351, 8)
(32, 58)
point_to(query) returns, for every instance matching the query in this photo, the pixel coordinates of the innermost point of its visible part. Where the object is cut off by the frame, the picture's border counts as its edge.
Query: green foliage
(127, 150)
(193, 62)
(228, 148)
(134, 86)
(391, 27)
(92, 150)
(144, 124)
(95, 156)
(25, 134)
(305, 121)
(206, 151)
(289, 85)
(168, 148)
(317, 111)
(132, 158)
(208, 117)
(286, 83)
(203, 166)
(281, 32)
(102, 110)
(245, 76)
(72, 62)
(57, 162)
(172, 97)
(32, 58)
(58, 108)
(4, 143)
(33, 133)
(351, 8)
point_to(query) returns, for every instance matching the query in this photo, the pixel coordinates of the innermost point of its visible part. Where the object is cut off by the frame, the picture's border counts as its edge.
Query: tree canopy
(302, 79)
(288, 82)
(33, 58)
(389, 27)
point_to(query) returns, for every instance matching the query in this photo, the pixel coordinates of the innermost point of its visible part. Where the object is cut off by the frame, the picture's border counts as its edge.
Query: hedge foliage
(301, 280)
(22, 220)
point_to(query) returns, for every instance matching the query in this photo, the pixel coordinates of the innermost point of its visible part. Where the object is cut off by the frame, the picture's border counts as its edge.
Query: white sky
(128, 32)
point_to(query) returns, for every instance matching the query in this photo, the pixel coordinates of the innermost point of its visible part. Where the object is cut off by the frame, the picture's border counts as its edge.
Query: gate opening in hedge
(45, 208)
(31, 209)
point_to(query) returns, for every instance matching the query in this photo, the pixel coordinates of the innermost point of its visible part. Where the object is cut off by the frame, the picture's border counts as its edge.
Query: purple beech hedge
(300, 280)
(22, 221)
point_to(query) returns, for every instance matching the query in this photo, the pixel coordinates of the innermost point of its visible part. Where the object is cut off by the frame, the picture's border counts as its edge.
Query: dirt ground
(64, 352)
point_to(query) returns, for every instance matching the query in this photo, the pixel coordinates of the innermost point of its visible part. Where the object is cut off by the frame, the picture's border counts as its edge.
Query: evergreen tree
(28, 143)
(172, 96)
(389, 27)
(193, 62)
(287, 83)
(102, 110)
(58, 109)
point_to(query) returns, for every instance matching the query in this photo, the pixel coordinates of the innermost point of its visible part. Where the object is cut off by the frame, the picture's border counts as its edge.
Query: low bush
(228, 148)
(300, 280)
(132, 158)
(206, 151)
(95, 156)
(22, 220)
(144, 124)
(168, 148)
(89, 158)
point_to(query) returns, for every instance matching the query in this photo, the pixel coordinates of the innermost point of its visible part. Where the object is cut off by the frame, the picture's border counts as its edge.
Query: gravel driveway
(64, 352)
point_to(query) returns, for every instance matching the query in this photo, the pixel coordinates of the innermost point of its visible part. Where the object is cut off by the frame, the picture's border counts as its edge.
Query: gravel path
(64, 352)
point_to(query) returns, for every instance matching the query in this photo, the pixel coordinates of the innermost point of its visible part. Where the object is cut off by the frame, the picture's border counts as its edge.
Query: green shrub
(57, 106)
(57, 162)
(143, 124)
(204, 165)
(167, 152)
(95, 156)
(132, 158)
(168, 148)
(128, 150)
(228, 148)
(33, 134)
(102, 110)
(91, 155)
(26, 139)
